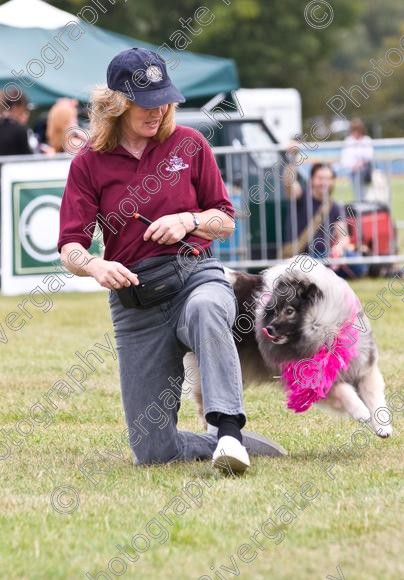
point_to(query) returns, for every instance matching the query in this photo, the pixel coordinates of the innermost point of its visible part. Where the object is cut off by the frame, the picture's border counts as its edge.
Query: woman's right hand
(111, 275)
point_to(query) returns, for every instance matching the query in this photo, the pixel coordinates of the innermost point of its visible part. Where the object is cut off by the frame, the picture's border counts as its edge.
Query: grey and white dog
(294, 308)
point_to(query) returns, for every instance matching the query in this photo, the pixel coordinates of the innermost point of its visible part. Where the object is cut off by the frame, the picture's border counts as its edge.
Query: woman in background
(62, 131)
(357, 157)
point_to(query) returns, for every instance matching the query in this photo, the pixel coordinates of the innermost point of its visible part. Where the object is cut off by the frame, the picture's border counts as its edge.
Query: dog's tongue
(267, 335)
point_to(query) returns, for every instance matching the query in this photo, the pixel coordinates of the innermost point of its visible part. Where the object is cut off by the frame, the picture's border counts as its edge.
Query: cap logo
(154, 74)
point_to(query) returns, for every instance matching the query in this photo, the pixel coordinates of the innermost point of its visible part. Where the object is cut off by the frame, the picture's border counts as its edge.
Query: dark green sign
(35, 206)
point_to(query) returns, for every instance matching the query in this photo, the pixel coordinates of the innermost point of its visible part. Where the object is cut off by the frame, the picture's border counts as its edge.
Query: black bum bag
(158, 282)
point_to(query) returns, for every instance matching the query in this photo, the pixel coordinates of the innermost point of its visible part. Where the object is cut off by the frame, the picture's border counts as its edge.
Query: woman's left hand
(166, 230)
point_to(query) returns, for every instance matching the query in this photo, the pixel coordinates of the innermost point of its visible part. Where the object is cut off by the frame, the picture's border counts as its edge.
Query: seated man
(315, 224)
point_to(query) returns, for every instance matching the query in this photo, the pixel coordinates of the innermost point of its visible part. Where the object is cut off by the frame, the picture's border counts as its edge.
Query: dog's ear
(309, 292)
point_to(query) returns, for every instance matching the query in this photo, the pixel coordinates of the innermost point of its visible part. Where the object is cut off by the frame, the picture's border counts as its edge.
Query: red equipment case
(370, 224)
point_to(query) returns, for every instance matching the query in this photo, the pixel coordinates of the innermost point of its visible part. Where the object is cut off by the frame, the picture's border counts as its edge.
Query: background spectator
(357, 157)
(63, 132)
(316, 223)
(14, 116)
(312, 212)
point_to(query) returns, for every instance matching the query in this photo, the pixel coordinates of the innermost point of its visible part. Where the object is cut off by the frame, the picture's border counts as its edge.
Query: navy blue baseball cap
(141, 75)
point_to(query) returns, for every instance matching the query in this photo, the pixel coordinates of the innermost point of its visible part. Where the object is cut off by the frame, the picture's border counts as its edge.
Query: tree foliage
(271, 42)
(274, 45)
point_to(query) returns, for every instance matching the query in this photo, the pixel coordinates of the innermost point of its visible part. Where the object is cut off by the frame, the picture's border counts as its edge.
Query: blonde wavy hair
(106, 108)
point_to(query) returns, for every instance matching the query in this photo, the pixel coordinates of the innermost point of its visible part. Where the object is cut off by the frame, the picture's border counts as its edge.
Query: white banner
(31, 193)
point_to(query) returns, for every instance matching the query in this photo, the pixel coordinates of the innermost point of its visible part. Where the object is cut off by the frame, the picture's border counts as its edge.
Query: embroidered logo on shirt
(176, 164)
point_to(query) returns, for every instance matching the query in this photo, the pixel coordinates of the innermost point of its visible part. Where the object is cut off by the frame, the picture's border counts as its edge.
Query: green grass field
(353, 523)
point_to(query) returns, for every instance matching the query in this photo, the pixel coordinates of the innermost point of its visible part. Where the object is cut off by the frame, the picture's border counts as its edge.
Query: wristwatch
(197, 223)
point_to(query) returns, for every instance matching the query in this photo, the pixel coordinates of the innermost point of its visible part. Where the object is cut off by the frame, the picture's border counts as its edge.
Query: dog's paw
(383, 431)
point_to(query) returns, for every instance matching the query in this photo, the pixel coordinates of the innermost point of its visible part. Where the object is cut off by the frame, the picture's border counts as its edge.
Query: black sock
(229, 425)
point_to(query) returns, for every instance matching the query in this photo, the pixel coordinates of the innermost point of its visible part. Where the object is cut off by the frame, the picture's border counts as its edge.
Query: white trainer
(230, 455)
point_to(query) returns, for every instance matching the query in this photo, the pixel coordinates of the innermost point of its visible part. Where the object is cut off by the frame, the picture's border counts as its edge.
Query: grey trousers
(151, 344)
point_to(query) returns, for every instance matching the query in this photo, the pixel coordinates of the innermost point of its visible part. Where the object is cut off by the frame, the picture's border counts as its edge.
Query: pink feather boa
(309, 380)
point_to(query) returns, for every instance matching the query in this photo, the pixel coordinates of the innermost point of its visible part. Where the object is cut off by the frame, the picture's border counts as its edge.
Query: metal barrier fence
(32, 187)
(267, 219)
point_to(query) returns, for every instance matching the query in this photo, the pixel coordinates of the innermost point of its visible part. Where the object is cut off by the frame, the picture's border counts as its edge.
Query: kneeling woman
(138, 161)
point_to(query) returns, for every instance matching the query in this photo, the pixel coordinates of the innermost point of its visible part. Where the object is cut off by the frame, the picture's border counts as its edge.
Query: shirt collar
(120, 150)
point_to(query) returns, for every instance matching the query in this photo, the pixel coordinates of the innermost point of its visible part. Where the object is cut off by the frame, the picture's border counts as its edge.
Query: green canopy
(80, 57)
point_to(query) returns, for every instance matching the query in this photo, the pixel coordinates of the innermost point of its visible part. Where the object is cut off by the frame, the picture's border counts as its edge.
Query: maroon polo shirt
(178, 175)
